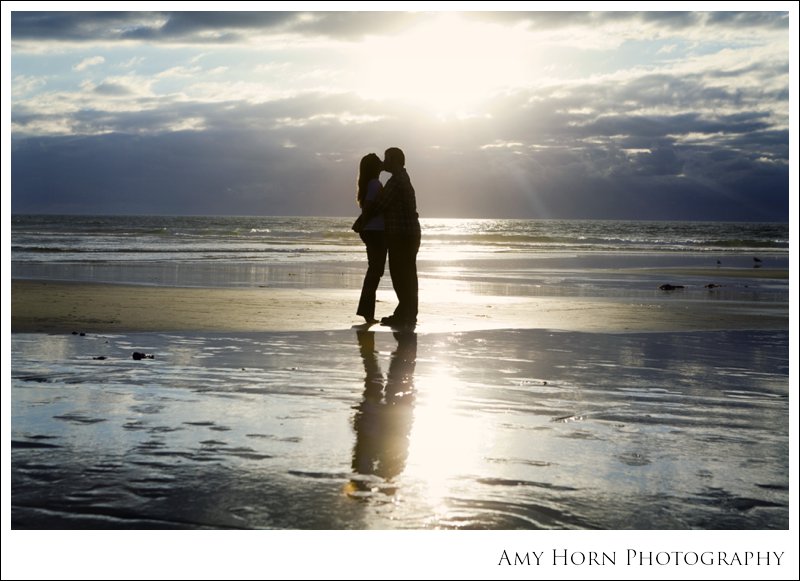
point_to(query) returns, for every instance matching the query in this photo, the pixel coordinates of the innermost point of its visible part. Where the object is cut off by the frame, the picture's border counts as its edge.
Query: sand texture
(84, 307)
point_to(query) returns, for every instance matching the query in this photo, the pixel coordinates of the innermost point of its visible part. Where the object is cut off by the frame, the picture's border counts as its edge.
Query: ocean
(97, 239)
(529, 257)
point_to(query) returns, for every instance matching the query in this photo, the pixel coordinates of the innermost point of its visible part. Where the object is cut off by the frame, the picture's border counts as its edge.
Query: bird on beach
(756, 262)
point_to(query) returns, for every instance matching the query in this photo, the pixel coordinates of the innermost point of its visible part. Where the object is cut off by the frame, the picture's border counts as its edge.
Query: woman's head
(371, 166)
(369, 169)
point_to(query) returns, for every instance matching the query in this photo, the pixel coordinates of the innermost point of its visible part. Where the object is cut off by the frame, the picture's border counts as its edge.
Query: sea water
(527, 257)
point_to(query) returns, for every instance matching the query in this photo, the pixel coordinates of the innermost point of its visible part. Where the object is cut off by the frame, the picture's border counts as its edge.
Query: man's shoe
(398, 323)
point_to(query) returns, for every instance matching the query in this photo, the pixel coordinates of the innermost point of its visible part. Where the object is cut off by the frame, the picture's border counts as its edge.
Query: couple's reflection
(384, 417)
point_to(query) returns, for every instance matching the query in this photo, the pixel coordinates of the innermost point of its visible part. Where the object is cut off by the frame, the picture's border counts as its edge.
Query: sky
(510, 114)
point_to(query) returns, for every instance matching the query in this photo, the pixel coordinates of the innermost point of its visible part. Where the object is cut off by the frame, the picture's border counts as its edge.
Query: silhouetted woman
(372, 234)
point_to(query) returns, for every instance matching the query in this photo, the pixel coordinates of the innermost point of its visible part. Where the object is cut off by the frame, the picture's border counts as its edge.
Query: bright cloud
(22, 84)
(89, 62)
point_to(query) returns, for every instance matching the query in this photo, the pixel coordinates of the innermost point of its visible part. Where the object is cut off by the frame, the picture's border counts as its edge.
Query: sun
(448, 65)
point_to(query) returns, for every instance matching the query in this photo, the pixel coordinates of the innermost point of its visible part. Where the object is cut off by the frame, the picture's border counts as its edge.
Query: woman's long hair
(369, 170)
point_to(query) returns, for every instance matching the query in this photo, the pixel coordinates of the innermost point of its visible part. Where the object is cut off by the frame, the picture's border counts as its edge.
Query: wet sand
(84, 307)
(502, 429)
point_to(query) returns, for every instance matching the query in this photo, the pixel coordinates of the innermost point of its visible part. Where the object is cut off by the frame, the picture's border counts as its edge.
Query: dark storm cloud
(250, 158)
(297, 156)
(607, 161)
(649, 127)
(72, 26)
(150, 26)
(228, 27)
(224, 27)
(206, 27)
(749, 19)
(179, 172)
(669, 20)
(629, 112)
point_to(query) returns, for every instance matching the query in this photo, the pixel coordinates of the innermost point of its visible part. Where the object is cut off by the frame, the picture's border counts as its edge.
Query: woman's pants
(375, 241)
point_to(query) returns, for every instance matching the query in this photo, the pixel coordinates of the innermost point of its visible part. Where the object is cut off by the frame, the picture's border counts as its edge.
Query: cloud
(72, 26)
(575, 150)
(111, 89)
(748, 20)
(193, 27)
(613, 27)
(618, 127)
(24, 84)
(179, 71)
(237, 160)
(132, 62)
(231, 27)
(88, 62)
(355, 25)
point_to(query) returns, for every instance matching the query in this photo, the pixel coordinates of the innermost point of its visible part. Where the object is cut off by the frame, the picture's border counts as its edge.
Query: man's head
(394, 160)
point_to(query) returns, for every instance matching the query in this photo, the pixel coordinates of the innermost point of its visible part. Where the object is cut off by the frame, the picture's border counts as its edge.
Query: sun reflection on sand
(445, 444)
(439, 291)
(413, 438)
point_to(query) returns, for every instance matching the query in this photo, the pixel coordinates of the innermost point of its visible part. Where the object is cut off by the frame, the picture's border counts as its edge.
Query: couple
(389, 222)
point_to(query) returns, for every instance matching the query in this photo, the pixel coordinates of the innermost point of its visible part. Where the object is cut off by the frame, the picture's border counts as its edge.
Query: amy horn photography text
(632, 557)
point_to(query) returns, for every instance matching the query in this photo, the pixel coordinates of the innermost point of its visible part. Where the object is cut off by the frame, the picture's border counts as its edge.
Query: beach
(564, 391)
(72, 306)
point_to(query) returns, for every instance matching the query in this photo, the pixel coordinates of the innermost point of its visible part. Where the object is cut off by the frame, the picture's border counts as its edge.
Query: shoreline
(54, 307)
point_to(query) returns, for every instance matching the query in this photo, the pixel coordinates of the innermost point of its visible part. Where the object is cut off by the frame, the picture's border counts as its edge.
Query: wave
(132, 238)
